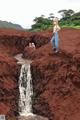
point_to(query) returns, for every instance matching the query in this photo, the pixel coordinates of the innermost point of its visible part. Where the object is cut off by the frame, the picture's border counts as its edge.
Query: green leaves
(66, 13)
(73, 20)
(69, 19)
(41, 23)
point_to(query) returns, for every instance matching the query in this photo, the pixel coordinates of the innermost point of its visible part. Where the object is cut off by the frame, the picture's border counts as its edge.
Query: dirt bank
(11, 43)
(56, 77)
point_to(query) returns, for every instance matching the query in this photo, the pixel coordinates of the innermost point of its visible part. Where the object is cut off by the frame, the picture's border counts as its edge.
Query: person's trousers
(55, 40)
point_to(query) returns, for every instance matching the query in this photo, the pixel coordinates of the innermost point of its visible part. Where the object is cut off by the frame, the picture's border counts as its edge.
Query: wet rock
(34, 117)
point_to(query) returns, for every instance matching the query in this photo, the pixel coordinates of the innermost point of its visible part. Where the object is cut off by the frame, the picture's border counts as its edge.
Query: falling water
(26, 90)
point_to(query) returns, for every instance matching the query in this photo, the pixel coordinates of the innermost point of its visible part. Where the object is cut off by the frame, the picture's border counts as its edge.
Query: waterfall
(26, 90)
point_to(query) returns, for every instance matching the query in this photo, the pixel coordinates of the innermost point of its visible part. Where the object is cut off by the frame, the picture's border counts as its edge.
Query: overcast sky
(24, 11)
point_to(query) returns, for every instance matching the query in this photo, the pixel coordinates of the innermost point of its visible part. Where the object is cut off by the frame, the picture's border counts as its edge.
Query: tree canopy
(69, 19)
(66, 13)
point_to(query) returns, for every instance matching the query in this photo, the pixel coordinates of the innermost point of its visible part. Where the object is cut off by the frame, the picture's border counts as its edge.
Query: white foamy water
(26, 91)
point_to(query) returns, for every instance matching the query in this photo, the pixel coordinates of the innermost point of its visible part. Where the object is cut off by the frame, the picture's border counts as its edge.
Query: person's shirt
(56, 28)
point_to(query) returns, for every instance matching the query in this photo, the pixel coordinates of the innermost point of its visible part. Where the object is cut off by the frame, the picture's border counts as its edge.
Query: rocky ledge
(32, 117)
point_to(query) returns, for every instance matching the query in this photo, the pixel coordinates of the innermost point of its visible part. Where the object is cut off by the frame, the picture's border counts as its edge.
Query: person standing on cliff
(54, 39)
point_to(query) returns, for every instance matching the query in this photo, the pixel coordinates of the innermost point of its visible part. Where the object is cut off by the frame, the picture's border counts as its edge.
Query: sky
(23, 12)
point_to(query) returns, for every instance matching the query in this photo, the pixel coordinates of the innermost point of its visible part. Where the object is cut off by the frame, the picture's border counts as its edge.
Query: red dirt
(70, 40)
(8, 86)
(11, 43)
(16, 41)
(56, 77)
(4, 108)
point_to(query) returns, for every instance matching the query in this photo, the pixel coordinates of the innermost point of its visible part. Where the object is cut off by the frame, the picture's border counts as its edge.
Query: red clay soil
(11, 43)
(56, 77)
(8, 86)
(69, 41)
(56, 81)
(14, 41)
(11, 32)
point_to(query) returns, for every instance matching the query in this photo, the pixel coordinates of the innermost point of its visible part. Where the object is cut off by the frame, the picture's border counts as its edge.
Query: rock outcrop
(32, 117)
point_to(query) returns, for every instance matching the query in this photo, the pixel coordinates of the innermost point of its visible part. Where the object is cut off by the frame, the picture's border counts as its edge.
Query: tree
(70, 12)
(38, 19)
(51, 16)
(66, 13)
(62, 12)
(41, 23)
(42, 16)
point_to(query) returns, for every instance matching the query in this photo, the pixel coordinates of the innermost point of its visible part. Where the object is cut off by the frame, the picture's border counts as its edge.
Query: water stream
(26, 90)
(25, 86)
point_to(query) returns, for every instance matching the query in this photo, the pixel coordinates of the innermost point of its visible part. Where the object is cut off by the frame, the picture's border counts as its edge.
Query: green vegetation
(41, 23)
(4, 24)
(69, 19)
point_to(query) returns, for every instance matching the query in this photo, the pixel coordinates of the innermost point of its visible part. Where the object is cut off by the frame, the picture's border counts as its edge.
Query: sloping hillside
(56, 77)
(5, 24)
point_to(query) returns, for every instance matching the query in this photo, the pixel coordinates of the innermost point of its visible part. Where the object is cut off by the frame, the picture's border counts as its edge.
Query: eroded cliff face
(11, 43)
(8, 86)
(56, 81)
(56, 77)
